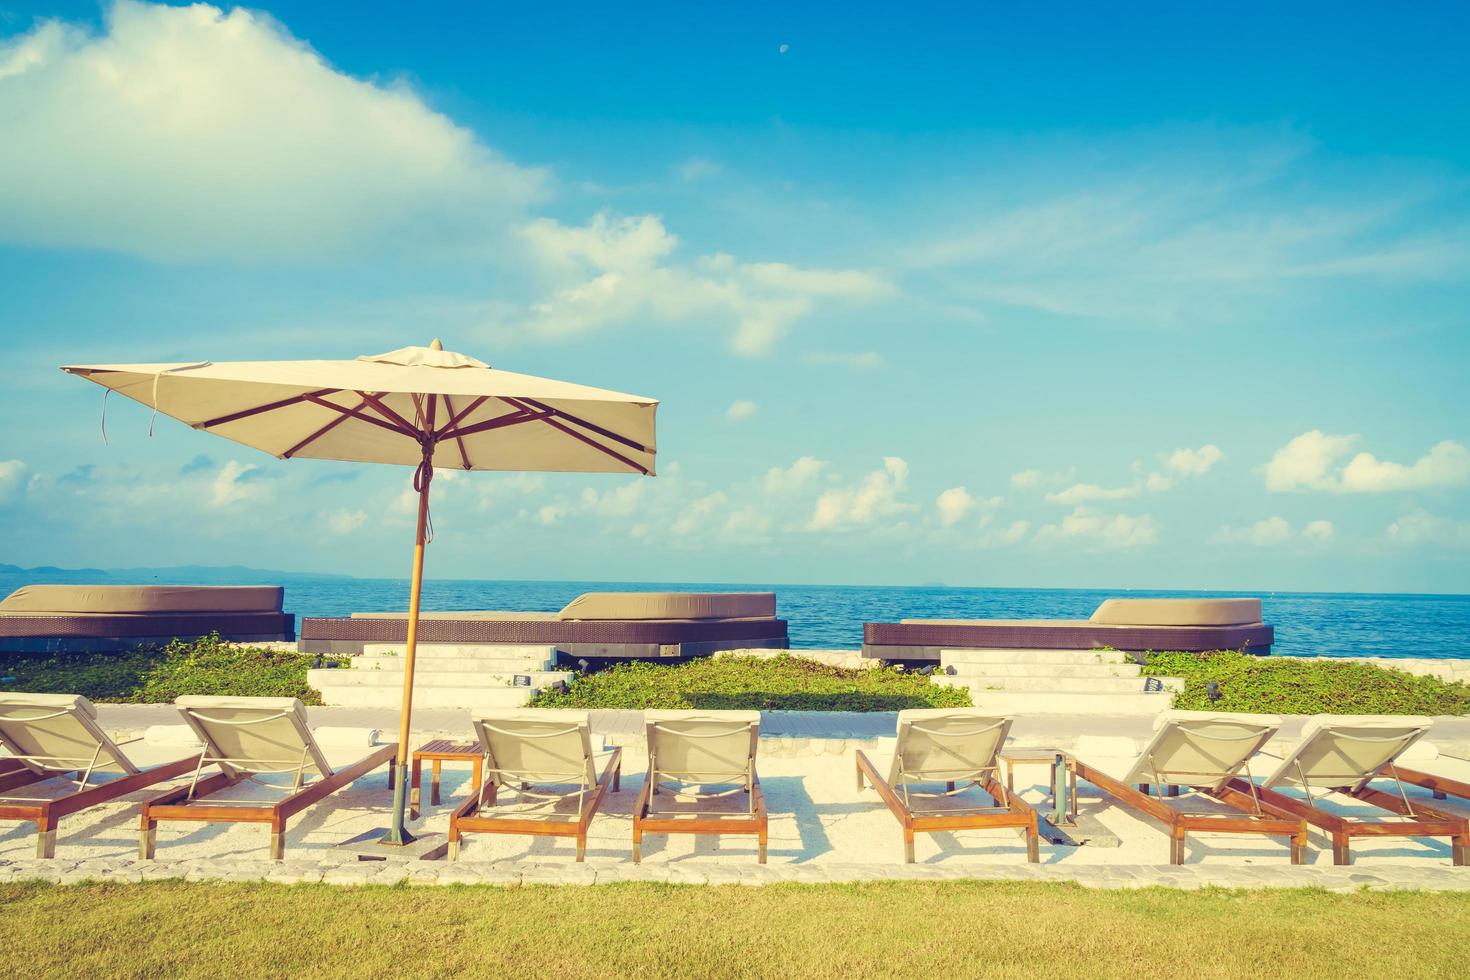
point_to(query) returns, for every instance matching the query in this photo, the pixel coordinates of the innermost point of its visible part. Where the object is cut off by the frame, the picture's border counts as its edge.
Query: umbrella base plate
(374, 846)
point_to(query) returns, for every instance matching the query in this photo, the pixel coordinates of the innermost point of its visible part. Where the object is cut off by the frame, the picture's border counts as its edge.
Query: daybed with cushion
(61, 618)
(595, 624)
(1132, 625)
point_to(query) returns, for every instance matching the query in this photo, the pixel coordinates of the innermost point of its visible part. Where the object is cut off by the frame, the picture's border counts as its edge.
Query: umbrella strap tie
(422, 477)
(105, 393)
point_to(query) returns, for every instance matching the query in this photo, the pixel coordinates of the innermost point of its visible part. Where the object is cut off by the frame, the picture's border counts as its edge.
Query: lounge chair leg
(618, 777)
(1176, 848)
(1033, 845)
(637, 851)
(1341, 849)
(46, 843)
(908, 846)
(581, 848)
(1299, 849)
(1143, 788)
(1173, 790)
(434, 770)
(860, 777)
(761, 847)
(949, 786)
(148, 841)
(278, 844)
(1439, 794)
(454, 849)
(1457, 851)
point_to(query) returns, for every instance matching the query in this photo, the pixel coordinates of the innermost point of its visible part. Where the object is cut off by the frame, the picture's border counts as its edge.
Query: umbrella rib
(458, 440)
(377, 404)
(567, 416)
(499, 422)
(318, 434)
(455, 419)
(361, 417)
(271, 407)
(548, 418)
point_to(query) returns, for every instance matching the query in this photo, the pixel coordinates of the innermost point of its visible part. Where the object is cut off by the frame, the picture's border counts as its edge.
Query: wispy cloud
(1313, 461)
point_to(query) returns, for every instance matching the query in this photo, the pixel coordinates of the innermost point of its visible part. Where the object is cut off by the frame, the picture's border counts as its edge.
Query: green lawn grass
(157, 675)
(780, 683)
(1288, 685)
(913, 929)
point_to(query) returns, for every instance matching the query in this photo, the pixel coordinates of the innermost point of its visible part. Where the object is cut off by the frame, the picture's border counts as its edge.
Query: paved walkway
(522, 873)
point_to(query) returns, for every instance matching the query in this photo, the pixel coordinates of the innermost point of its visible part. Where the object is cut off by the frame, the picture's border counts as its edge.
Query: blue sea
(831, 616)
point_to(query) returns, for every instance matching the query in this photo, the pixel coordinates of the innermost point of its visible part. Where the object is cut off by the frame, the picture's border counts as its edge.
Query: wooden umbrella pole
(397, 833)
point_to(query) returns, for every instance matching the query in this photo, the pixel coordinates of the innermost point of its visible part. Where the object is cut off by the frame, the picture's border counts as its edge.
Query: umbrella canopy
(419, 406)
(383, 408)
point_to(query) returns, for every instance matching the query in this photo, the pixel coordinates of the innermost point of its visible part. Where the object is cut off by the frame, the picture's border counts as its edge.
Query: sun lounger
(56, 736)
(248, 738)
(545, 757)
(1336, 762)
(705, 749)
(1203, 752)
(1444, 776)
(959, 749)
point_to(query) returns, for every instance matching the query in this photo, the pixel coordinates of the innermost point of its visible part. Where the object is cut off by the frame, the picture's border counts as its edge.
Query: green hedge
(782, 683)
(156, 675)
(1287, 685)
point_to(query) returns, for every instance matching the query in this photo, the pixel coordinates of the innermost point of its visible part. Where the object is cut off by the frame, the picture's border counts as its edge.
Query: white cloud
(1082, 493)
(1103, 531)
(345, 521)
(1305, 463)
(740, 410)
(867, 360)
(1195, 462)
(236, 483)
(748, 521)
(696, 169)
(1421, 528)
(780, 482)
(550, 513)
(12, 479)
(874, 496)
(953, 504)
(1262, 534)
(1310, 462)
(615, 270)
(1319, 531)
(1446, 465)
(186, 132)
(1027, 479)
(1012, 533)
(697, 513)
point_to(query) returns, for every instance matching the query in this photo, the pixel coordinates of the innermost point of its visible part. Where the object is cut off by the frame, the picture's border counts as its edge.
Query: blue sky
(1139, 296)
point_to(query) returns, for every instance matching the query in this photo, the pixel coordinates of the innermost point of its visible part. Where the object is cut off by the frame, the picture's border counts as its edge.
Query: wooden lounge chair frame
(191, 803)
(1418, 820)
(1010, 809)
(46, 814)
(472, 815)
(1258, 815)
(647, 820)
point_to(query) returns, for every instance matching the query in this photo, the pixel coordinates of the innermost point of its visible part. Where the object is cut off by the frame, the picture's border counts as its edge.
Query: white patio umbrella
(400, 407)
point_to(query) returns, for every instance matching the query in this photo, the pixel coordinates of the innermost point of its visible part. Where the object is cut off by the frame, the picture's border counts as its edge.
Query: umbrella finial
(436, 344)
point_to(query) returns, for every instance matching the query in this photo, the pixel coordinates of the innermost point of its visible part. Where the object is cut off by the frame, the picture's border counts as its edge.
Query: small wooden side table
(438, 752)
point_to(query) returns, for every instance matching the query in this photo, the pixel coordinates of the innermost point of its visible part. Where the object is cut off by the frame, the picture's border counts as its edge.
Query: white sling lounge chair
(546, 758)
(249, 738)
(960, 749)
(705, 749)
(56, 736)
(1203, 752)
(1343, 754)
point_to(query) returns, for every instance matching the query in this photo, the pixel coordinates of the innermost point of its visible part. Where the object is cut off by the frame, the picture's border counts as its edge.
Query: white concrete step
(429, 697)
(1081, 685)
(469, 665)
(394, 678)
(478, 651)
(1050, 670)
(1053, 703)
(1007, 656)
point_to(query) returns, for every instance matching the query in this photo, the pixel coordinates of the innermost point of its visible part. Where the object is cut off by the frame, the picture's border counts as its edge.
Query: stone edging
(518, 874)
